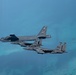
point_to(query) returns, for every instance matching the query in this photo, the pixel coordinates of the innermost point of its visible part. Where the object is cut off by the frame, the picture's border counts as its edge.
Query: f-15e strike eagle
(36, 46)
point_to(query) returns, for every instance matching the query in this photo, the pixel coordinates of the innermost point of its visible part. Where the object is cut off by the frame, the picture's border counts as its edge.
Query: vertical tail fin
(43, 31)
(63, 47)
(59, 47)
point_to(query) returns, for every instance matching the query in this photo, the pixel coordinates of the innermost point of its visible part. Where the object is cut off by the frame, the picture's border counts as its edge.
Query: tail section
(64, 47)
(61, 47)
(42, 33)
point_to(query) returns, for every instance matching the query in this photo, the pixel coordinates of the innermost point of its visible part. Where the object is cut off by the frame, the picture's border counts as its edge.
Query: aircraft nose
(1, 39)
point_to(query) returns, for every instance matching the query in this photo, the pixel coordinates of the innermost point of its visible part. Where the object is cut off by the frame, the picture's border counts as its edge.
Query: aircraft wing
(38, 50)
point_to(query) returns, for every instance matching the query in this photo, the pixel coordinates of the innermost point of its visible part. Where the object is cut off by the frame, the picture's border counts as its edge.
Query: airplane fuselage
(21, 38)
(27, 38)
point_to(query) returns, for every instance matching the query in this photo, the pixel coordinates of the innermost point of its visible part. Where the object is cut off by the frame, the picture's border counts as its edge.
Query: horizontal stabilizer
(38, 50)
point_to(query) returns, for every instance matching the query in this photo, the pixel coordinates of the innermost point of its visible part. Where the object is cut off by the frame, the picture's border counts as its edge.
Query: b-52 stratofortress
(36, 47)
(19, 39)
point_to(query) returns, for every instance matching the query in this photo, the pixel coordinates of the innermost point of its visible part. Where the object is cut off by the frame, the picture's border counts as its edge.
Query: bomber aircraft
(19, 39)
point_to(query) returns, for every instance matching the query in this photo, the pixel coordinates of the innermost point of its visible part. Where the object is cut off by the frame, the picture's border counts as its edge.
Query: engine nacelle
(44, 36)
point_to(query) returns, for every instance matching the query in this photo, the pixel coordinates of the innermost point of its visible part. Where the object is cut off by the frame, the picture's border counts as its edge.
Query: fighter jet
(17, 39)
(59, 50)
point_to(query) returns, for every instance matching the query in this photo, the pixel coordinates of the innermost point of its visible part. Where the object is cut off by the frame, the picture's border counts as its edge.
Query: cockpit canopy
(12, 37)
